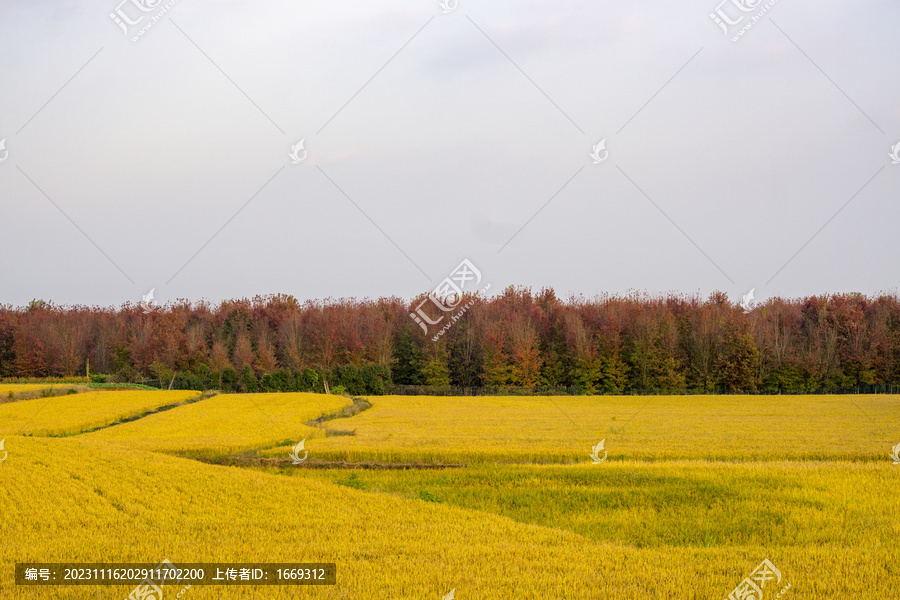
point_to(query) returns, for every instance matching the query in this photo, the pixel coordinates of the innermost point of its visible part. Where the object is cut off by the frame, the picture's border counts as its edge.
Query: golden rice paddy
(15, 388)
(564, 429)
(226, 424)
(71, 414)
(722, 483)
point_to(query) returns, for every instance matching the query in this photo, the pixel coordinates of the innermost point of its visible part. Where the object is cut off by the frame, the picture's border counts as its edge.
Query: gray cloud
(450, 149)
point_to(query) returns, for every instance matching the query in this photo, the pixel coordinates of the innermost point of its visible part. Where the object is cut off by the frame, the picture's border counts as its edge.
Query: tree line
(519, 340)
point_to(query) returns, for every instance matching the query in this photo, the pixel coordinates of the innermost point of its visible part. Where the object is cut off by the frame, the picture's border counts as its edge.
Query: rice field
(694, 494)
(15, 388)
(15, 392)
(130, 505)
(563, 429)
(72, 414)
(226, 424)
(692, 504)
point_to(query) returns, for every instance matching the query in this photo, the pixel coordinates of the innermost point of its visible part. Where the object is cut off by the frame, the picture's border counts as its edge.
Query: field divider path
(48, 392)
(251, 457)
(203, 396)
(358, 406)
(313, 463)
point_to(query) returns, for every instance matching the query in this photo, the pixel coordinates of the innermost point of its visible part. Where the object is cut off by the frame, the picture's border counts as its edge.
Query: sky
(166, 157)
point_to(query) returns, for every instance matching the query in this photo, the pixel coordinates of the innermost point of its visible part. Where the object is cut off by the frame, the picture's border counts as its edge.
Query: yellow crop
(695, 492)
(227, 423)
(70, 414)
(119, 504)
(542, 429)
(665, 504)
(15, 388)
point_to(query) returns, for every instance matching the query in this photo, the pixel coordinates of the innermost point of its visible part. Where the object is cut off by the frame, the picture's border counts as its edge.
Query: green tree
(248, 380)
(408, 364)
(615, 372)
(737, 365)
(466, 361)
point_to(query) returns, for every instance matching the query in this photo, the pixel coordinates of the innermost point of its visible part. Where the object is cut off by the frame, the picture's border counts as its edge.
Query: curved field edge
(18, 392)
(16, 388)
(673, 504)
(228, 424)
(133, 506)
(200, 396)
(77, 413)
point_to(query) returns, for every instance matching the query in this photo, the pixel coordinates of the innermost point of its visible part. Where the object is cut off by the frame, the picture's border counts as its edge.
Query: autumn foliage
(515, 341)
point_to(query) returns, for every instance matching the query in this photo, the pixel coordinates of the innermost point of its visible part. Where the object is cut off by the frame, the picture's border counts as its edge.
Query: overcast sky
(433, 136)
